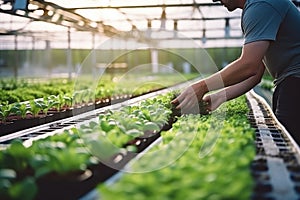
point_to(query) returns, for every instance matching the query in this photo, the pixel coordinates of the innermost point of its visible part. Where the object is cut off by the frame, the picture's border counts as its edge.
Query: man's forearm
(242, 69)
(241, 88)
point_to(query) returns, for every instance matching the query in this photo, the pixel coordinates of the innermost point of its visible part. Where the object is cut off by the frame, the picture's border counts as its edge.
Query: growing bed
(238, 147)
(46, 158)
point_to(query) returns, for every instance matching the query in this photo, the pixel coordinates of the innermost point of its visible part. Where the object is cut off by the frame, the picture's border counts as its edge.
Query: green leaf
(150, 126)
(7, 174)
(134, 133)
(25, 190)
(102, 148)
(105, 126)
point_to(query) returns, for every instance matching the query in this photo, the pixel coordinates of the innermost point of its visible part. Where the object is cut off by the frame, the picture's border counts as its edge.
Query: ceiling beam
(60, 16)
(147, 6)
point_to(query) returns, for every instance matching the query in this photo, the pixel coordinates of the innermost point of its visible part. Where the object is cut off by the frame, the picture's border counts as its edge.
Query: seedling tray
(276, 167)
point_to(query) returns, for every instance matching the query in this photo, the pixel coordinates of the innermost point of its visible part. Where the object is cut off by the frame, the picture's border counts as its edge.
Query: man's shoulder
(278, 4)
(281, 6)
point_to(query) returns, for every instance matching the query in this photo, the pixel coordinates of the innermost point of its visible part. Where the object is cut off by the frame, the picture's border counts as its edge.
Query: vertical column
(16, 60)
(69, 55)
(48, 62)
(175, 29)
(227, 28)
(154, 60)
(32, 51)
(93, 58)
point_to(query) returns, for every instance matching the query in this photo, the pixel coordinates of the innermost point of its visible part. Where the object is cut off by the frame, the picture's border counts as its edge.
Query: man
(272, 39)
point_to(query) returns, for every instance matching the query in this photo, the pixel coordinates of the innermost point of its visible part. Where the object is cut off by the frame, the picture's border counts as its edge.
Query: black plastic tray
(276, 167)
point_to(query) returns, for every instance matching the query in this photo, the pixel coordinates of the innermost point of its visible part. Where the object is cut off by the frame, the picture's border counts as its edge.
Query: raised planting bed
(251, 156)
(69, 164)
(44, 107)
(200, 157)
(20, 116)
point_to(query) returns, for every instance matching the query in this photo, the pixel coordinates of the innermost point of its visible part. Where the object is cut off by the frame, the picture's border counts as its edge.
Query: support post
(69, 55)
(154, 60)
(16, 60)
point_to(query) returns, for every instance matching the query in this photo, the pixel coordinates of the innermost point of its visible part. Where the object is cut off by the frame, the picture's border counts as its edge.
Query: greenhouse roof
(203, 21)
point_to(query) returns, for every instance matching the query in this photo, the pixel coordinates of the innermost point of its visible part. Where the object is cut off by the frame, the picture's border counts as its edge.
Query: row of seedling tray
(276, 167)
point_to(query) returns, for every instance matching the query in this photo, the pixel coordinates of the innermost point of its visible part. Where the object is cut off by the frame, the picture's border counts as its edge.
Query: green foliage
(75, 149)
(25, 189)
(26, 90)
(194, 175)
(21, 166)
(21, 109)
(58, 157)
(16, 157)
(48, 103)
(267, 84)
(36, 106)
(230, 142)
(8, 96)
(5, 110)
(151, 115)
(29, 93)
(9, 190)
(12, 84)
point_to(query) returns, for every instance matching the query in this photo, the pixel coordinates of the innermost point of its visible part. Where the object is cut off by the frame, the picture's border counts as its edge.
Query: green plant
(49, 102)
(16, 179)
(5, 110)
(57, 157)
(16, 157)
(36, 106)
(21, 109)
(76, 149)
(8, 96)
(77, 97)
(188, 173)
(68, 100)
(87, 96)
(60, 101)
(12, 189)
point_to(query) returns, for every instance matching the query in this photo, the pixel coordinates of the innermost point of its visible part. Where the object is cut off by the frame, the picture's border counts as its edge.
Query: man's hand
(188, 100)
(213, 101)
